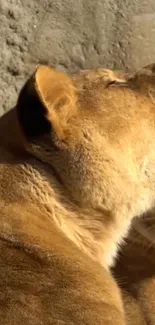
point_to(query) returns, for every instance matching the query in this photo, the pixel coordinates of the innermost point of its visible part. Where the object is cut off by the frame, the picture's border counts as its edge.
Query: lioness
(77, 164)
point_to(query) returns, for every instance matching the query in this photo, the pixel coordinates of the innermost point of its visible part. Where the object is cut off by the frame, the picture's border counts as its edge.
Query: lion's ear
(46, 102)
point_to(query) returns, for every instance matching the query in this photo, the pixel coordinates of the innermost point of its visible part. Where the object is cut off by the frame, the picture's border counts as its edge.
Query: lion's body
(45, 280)
(77, 158)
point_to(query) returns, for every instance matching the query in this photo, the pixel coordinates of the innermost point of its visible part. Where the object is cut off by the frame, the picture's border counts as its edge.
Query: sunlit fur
(77, 165)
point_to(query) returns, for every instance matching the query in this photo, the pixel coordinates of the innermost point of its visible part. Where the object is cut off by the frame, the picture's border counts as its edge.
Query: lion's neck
(96, 233)
(97, 239)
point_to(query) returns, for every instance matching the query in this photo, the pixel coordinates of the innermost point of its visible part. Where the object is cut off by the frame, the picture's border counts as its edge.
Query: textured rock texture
(71, 35)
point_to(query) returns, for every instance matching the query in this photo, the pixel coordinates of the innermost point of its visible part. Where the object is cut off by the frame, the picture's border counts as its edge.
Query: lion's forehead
(100, 75)
(104, 77)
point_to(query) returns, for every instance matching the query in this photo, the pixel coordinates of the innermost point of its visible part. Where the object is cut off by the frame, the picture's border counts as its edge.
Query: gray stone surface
(71, 35)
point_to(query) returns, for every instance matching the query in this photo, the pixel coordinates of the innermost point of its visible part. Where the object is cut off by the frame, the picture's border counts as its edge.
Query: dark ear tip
(31, 112)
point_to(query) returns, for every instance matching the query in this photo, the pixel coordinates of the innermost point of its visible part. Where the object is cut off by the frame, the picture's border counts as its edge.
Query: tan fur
(77, 165)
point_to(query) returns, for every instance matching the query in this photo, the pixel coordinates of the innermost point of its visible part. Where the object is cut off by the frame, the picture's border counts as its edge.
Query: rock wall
(72, 35)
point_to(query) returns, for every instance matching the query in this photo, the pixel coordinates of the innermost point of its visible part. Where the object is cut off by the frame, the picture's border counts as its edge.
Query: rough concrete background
(71, 35)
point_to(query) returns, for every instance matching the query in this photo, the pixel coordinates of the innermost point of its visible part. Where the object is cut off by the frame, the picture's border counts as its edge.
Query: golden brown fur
(77, 159)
